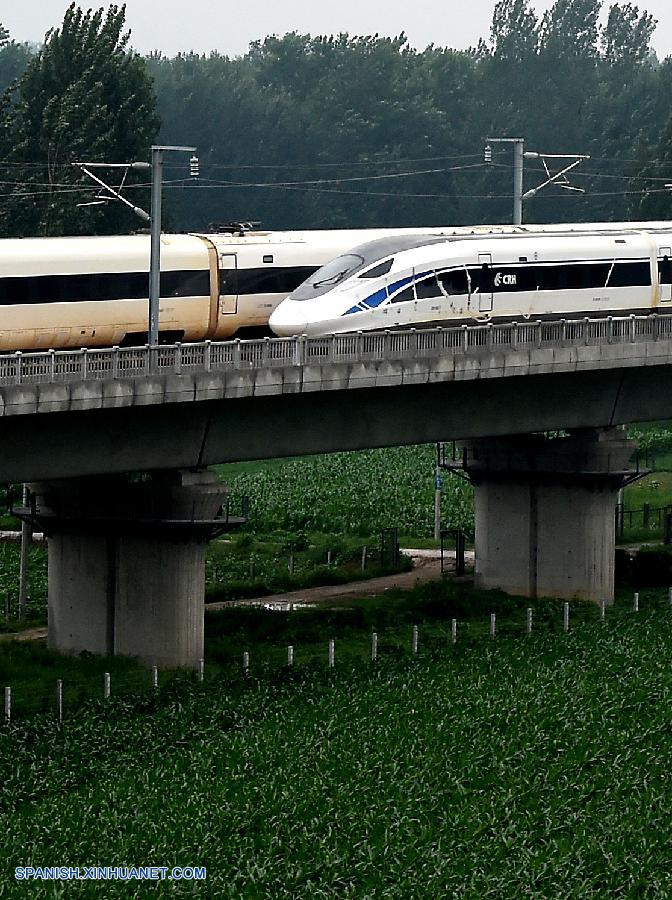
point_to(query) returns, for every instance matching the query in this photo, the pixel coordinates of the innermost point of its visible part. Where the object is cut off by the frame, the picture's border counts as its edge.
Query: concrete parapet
(545, 511)
(127, 563)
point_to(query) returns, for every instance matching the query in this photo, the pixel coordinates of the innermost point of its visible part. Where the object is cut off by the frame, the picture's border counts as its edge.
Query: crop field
(352, 493)
(519, 767)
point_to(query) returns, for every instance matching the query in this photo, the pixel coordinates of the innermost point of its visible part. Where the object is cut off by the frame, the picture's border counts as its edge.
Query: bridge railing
(54, 366)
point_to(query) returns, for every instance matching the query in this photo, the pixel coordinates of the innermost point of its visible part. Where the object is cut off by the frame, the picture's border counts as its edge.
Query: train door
(665, 274)
(485, 297)
(228, 284)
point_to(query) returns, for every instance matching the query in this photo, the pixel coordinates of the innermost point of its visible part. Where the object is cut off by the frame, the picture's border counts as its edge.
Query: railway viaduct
(126, 556)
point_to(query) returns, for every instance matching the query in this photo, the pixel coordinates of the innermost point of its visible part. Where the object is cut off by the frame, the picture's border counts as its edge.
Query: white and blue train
(430, 280)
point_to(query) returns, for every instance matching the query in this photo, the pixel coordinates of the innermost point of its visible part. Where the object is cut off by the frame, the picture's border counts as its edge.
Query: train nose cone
(288, 319)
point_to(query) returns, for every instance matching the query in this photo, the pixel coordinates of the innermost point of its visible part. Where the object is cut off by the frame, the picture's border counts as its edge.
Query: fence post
(667, 527)
(201, 669)
(493, 624)
(106, 686)
(290, 655)
(529, 620)
(374, 646)
(246, 662)
(59, 701)
(603, 608)
(331, 653)
(8, 704)
(453, 631)
(364, 558)
(155, 678)
(115, 362)
(565, 616)
(635, 602)
(7, 605)
(414, 639)
(669, 596)
(291, 564)
(328, 557)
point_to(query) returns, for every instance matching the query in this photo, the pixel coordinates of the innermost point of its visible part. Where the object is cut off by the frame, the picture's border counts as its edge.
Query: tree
(83, 96)
(626, 37)
(514, 32)
(570, 29)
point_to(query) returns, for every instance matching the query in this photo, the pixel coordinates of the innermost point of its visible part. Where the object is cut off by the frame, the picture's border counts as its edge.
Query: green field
(519, 767)
(340, 502)
(351, 493)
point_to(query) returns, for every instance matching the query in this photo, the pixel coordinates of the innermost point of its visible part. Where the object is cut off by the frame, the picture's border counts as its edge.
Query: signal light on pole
(194, 170)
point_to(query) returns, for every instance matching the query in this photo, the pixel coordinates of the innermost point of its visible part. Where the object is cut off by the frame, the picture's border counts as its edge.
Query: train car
(93, 291)
(411, 281)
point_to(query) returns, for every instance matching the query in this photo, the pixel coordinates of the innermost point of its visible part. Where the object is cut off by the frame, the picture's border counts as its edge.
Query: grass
(509, 768)
(32, 670)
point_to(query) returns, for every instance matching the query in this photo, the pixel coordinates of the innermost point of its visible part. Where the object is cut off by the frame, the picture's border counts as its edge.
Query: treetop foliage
(84, 96)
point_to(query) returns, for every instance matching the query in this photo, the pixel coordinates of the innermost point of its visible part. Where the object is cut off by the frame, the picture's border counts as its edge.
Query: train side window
(454, 282)
(404, 296)
(485, 283)
(428, 289)
(665, 270)
(381, 269)
(228, 281)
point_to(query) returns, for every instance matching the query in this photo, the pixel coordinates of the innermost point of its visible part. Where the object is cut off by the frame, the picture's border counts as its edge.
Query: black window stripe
(548, 277)
(279, 280)
(100, 286)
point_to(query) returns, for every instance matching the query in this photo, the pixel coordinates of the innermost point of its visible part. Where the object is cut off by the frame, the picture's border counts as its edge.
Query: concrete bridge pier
(127, 562)
(545, 511)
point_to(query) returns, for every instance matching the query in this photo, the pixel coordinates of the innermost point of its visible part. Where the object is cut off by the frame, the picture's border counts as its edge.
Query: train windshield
(337, 270)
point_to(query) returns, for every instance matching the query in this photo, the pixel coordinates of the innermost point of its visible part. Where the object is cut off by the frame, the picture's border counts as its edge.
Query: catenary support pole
(26, 539)
(518, 149)
(155, 247)
(437, 495)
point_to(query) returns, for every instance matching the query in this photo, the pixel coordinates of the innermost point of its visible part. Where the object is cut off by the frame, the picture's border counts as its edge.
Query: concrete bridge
(94, 412)
(90, 416)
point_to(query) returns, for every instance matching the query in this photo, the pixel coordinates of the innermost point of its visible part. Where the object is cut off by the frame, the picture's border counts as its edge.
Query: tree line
(306, 131)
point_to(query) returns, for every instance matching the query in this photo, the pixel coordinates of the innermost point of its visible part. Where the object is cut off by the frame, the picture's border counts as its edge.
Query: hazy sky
(203, 25)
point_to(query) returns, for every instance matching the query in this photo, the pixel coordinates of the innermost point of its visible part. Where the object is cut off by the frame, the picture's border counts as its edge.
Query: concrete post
(127, 564)
(544, 512)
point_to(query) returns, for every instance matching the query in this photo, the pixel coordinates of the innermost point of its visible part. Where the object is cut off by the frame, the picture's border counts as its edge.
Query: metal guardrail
(63, 366)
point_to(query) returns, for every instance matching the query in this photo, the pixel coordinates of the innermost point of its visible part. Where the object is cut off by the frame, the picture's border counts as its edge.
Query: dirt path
(31, 634)
(426, 568)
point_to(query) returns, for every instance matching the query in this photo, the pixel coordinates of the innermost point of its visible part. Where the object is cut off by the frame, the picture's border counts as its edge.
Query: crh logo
(508, 280)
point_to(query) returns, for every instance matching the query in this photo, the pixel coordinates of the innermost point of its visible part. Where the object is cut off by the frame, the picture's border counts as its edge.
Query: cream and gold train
(93, 291)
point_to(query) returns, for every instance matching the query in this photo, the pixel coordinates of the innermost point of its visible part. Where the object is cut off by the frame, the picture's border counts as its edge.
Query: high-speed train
(408, 281)
(93, 291)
